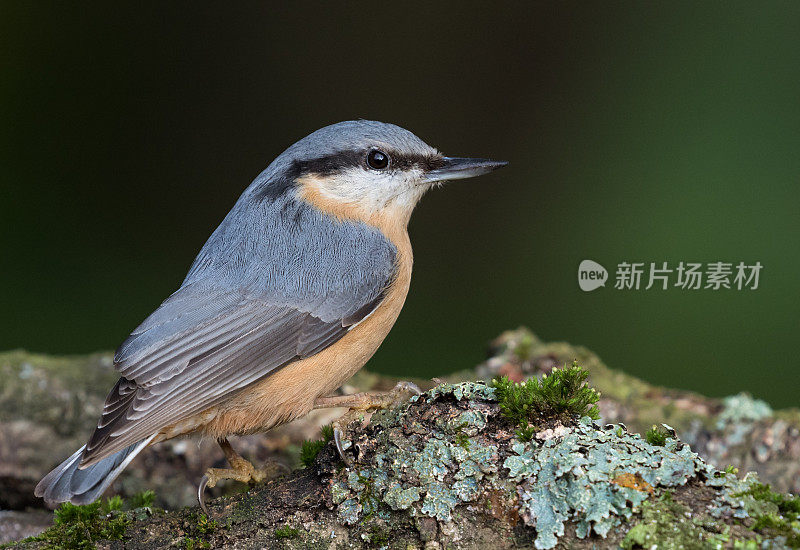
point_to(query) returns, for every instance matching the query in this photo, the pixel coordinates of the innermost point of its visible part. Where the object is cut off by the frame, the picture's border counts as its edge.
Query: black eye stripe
(330, 164)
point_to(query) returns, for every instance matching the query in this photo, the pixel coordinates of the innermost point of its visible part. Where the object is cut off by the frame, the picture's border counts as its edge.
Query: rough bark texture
(445, 471)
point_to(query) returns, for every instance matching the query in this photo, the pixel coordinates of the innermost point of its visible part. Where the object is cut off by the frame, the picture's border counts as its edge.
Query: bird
(291, 295)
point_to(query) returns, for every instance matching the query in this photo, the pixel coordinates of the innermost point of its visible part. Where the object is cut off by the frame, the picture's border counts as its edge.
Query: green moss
(526, 433)
(367, 496)
(669, 525)
(81, 526)
(378, 536)
(309, 452)
(564, 393)
(113, 504)
(205, 525)
(310, 449)
(663, 525)
(286, 532)
(657, 436)
(244, 509)
(461, 438)
(143, 500)
(780, 516)
(195, 544)
(788, 505)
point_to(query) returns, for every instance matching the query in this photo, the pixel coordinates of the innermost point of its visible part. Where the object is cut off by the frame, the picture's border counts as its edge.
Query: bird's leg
(361, 402)
(365, 401)
(240, 470)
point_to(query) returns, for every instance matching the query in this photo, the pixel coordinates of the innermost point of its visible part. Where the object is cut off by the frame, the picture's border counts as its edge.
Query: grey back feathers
(278, 280)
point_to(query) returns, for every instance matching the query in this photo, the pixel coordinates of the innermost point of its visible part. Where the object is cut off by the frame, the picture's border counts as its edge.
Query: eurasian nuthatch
(291, 295)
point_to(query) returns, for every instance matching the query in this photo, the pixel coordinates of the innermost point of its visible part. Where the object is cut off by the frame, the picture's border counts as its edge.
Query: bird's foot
(359, 403)
(241, 470)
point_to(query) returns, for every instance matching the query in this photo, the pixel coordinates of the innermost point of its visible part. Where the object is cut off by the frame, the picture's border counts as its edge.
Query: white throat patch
(373, 191)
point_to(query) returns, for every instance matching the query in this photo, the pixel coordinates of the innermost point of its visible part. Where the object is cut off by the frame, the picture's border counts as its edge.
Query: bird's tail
(67, 483)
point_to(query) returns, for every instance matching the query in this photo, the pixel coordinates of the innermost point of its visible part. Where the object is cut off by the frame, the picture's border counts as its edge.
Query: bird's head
(366, 170)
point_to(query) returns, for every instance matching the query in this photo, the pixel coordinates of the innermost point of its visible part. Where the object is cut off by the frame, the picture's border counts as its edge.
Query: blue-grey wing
(245, 309)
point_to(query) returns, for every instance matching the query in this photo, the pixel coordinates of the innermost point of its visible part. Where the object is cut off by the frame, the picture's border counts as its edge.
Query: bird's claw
(337, 439)
(201, 494)
(242, 471)
(400, 392)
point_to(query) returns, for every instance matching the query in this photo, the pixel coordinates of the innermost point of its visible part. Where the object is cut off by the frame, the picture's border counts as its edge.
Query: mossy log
(48, 406)
(448, 470)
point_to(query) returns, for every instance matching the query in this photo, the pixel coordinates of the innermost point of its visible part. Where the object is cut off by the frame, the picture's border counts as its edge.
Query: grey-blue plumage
(67, 483)
(273, 283)
(278, 280)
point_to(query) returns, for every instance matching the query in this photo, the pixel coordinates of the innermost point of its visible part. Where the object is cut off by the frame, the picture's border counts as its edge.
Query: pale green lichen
(434, 462)
(464, 390)
(349, 511)
(399, 498)
(742, 409)
(368, 484)
(596, 477)
(730, 501)
(469, 423)
(576, 476)
(339, 492)
(474, 462)
(439, 501)
(426, 475)
(437, 460)
(467, 489)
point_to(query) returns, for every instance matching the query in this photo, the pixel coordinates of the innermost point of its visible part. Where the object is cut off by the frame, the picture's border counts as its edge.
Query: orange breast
(291, 391)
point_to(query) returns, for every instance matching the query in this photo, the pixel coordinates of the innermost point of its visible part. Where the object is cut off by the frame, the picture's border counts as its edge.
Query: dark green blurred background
(636, 131)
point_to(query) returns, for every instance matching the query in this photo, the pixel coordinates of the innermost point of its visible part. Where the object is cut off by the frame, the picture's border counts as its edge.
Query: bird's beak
(455, 168)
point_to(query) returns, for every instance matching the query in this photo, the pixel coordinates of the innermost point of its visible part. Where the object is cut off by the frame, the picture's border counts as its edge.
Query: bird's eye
(377, 159)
